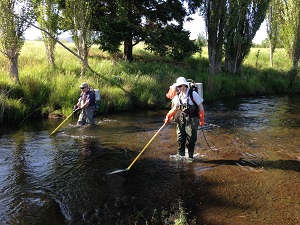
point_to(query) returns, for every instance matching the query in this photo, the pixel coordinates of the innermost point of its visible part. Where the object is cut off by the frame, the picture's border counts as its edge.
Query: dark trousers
(187, 128)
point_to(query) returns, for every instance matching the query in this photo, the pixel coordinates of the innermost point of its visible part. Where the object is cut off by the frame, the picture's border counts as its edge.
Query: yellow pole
(128, 168)
(63, 122)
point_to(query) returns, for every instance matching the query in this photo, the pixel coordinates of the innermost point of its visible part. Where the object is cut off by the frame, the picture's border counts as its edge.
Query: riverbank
(141, 84)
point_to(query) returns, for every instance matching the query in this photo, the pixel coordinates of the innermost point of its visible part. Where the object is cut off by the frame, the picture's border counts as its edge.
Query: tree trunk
(271, 55)
(214, 15)
(214, 63)
(231, 64)
(50, 54)
(85, 62)
(295, 64)
(127, 54)
(13, 68)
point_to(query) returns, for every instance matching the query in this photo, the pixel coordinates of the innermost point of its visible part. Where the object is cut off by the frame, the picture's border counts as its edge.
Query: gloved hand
(201, 117)
(75, 108)
(170, 114)
(171, 93)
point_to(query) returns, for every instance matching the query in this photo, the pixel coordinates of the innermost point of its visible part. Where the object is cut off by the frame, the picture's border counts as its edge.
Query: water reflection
(253, 178)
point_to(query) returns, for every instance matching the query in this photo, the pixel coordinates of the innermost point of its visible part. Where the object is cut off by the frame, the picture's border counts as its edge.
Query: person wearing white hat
(87, 104)
(191, 114)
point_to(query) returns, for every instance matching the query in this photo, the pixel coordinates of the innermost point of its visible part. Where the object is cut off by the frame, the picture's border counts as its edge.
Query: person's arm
(86, 104)
(201, 115)
(170, 114)
(78, 102)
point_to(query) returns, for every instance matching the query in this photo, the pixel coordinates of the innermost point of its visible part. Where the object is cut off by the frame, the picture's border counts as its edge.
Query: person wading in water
(87, 104)
(191, 115)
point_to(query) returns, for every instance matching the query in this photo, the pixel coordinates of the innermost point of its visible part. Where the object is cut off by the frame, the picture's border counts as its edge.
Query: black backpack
(193, 87)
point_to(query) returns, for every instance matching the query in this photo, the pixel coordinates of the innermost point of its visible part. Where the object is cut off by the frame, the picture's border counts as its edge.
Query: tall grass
(139, 84)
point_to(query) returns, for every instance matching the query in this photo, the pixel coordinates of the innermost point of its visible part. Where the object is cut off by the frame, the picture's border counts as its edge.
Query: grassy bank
(125, 86)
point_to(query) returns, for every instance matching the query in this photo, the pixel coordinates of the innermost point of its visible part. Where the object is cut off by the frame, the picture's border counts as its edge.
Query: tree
(215, 17)
(47, 13)
(144, 20)
(14, 20)
(200, 43)
(272, 27)
(244, 19)
(173, 41)
(290, 28)
(78, 19)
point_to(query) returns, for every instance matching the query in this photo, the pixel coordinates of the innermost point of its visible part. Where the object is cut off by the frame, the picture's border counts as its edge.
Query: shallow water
(246, 173)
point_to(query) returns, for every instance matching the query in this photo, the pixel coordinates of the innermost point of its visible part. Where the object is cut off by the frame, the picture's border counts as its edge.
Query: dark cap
(83, 85)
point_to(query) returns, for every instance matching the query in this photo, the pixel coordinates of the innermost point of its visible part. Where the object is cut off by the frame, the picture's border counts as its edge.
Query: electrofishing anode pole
(141, 152)
(128, 168)
(64, 121)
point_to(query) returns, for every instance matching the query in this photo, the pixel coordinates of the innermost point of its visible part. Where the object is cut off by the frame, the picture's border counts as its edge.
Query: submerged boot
(190, 160)
(181, 149)
(176, 157)
(191, 155)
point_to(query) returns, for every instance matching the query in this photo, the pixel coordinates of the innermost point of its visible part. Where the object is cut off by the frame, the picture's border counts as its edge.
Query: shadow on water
(74, 188)
(277, 164)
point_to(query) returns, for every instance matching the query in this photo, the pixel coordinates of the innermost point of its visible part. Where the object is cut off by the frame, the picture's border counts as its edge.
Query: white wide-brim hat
(181, 81)
(173, 86)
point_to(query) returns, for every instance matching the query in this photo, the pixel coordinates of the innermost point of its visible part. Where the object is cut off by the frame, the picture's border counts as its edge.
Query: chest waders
(187, 126)
(87, 114)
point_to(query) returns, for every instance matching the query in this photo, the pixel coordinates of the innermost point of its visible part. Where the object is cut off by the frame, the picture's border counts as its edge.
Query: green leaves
(15, 18)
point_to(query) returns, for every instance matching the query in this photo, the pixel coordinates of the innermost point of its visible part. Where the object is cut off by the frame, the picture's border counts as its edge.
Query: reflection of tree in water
(19, 163)
(28, 204)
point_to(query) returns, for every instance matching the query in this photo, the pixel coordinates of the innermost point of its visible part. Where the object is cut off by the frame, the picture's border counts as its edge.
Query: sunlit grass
(259, 58)
(138, 84)
(11, 109)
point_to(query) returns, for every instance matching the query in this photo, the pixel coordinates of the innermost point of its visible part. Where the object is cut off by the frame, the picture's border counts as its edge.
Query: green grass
(142, 83)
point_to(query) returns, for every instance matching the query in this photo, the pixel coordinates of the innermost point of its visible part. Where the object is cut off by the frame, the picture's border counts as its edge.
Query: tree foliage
(171, 40)
(290, 28)
(243, 21)
(47, 13)
(14, 20)
(231, 26)
(78, 15)
(144, 20)
(273, 27)
(215, 18)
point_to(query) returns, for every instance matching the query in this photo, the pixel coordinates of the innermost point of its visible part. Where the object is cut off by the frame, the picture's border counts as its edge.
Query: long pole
(128, 168)
(63, 122)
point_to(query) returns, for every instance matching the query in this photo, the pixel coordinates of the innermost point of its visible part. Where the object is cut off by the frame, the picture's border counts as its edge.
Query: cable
(214, 150)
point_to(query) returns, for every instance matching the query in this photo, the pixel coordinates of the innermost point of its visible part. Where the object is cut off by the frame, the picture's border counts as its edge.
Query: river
(246, 168)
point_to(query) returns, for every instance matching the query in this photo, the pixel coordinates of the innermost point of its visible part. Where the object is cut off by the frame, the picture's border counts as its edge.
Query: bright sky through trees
(196, 27)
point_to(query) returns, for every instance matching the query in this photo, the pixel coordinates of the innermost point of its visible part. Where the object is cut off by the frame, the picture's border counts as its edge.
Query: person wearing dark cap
(87, 104)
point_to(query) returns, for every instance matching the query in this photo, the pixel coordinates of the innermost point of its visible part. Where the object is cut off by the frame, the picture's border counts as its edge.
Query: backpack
(97, 98)
(192, 85)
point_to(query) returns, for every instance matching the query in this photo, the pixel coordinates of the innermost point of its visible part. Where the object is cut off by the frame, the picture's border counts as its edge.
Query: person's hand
(75, 108)
(170, 114)
(201, 118)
